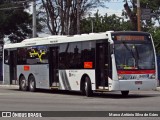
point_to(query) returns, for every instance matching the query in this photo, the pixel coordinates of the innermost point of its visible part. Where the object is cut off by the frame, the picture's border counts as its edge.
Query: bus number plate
(138, 82)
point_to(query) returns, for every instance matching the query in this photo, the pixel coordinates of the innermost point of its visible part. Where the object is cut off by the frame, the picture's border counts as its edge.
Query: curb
(9, 86)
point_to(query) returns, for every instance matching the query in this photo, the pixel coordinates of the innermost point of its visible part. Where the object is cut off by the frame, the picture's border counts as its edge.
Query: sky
(113, 7)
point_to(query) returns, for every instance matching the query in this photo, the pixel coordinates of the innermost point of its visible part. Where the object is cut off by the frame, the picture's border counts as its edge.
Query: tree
(130, 11)
(15, 22)
(104, 23)
(156, 37)
(147, 25)
(61, 15)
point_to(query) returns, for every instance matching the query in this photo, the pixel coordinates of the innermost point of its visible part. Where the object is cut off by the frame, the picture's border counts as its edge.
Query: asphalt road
(11, 99)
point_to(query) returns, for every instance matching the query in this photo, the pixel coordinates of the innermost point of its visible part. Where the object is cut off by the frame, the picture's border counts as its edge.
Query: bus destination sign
(129, 37)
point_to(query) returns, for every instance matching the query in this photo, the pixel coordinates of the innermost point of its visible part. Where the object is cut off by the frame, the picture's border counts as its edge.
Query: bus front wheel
(87, 87)
(32, 83)
(23, 84)
(125, 93)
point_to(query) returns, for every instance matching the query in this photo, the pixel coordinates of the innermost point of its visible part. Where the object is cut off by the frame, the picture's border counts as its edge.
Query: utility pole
(34, 31)
(138, 16)
(90, 18)
(78, 16)
(92, 25)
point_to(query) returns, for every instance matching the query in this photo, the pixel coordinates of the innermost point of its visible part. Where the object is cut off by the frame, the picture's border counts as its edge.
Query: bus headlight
(152, 76)
(120, 77)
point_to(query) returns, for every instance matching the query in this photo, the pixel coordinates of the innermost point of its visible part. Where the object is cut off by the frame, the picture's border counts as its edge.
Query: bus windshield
(134, 56)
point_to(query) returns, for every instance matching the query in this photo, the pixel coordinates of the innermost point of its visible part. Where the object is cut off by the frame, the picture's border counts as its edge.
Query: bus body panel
(40, 72)
(122, 85)
(114, 69)
(6, 74)
(71, 79)
(149, 84)
(113, 85)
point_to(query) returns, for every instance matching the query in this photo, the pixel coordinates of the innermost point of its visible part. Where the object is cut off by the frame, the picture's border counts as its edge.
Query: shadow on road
(110, 95)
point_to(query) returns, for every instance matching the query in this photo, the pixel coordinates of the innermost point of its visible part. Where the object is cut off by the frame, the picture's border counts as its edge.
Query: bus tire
(32, 83)
(23, 84)
(125, 93)
(88, 87)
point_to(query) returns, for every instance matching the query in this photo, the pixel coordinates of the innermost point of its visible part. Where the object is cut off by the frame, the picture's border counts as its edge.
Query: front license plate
(138, 82)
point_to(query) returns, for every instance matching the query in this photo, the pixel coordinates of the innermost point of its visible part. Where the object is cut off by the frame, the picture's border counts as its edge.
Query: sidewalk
(9, 86)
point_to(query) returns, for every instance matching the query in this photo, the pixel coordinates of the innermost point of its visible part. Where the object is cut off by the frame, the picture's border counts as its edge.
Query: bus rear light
(152, 76)
(120, 77)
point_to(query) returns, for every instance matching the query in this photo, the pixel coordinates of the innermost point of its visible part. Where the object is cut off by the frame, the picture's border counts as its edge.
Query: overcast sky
(113, 7)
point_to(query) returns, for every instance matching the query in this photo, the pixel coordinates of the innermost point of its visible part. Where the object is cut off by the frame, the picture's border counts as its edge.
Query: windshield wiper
(130, 50)
(137, 53)
(136, 57)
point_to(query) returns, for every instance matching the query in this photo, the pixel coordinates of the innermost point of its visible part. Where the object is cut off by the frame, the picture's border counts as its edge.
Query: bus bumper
(137, 84)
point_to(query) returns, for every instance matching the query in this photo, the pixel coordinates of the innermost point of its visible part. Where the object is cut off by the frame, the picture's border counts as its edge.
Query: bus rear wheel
(125, 93)
(23, 84)
(32, 83)
(87, 87)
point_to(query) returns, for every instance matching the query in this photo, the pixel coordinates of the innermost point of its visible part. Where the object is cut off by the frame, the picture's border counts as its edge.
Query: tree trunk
(132, 16)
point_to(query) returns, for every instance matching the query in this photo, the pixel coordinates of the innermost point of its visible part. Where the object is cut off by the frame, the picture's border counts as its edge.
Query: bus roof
(56, 39)
(131, 32)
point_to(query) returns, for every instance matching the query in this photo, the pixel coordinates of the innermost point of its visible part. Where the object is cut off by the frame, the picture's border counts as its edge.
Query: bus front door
(101, 65)
(54, 79)
(13, 67)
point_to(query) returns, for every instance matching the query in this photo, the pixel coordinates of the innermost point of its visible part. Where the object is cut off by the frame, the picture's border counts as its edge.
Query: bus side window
(88, 54)
(37, 55)
(63, 56)
(21, 56)
(111, 48)
(70, 56)
(6, 57)
(75, 55)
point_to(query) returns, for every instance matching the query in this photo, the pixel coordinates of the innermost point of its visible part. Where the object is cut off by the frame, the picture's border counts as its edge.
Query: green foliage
(15, 22)
(104, 23)
(152, 4)
(149, 25)
(156, 37)
(146, 25)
